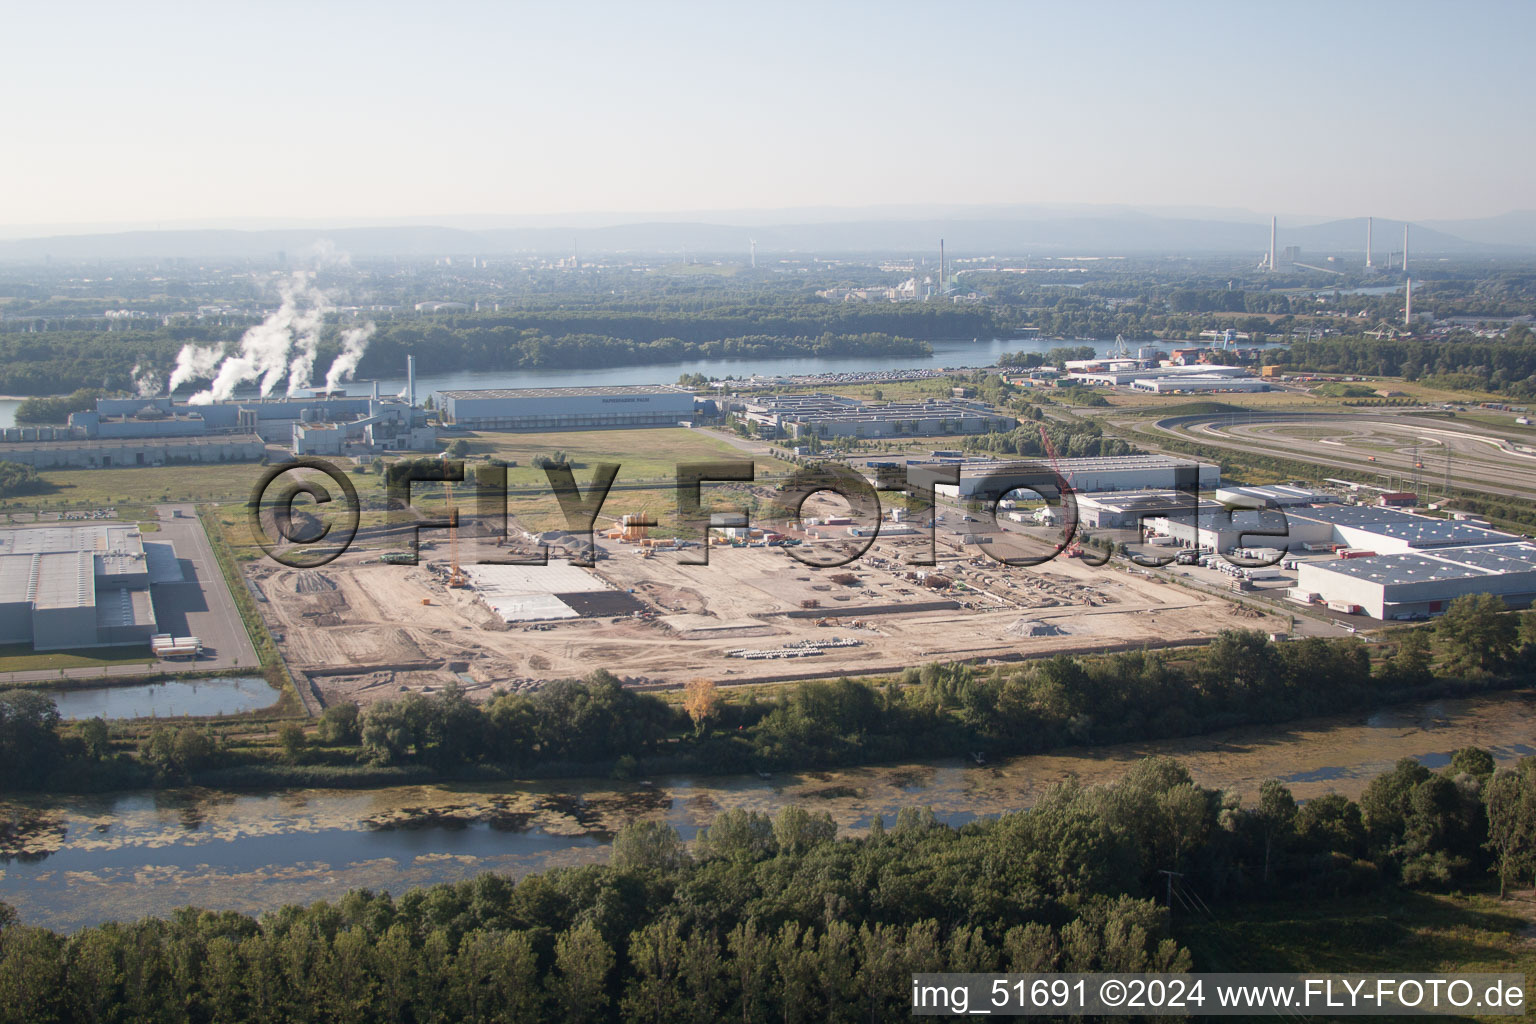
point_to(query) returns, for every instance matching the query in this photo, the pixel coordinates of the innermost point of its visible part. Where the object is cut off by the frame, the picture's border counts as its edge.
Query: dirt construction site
(362, 630)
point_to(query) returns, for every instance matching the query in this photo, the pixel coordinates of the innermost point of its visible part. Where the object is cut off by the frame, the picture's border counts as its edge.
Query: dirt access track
(362, 630)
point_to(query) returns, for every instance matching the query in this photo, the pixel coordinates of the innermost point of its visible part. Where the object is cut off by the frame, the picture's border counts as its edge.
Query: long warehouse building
(66, 587)
(577, 408)
(1416, 584)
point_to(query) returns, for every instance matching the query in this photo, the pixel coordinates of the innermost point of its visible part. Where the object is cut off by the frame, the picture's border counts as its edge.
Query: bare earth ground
(364, 630)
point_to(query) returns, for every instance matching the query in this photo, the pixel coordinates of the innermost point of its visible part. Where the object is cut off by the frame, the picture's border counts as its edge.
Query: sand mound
(1034, 627)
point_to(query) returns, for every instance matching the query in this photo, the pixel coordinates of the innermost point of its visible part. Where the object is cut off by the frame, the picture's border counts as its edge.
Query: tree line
(634, 333)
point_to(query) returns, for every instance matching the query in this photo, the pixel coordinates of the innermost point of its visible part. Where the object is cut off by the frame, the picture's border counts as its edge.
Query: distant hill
(1017, 231)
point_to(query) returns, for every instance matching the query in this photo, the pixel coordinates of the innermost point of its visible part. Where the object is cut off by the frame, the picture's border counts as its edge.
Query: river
(121, 856)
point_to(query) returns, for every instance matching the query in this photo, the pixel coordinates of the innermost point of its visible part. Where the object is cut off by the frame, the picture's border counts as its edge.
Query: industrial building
(1421, 583)
(1360, 528)
(1119, 510)
(67, 452)
(1201, 383)
(576, 408)
(1274, 496)
(1085, 475)
(829, 416)
(66, 587)
(1122, 375)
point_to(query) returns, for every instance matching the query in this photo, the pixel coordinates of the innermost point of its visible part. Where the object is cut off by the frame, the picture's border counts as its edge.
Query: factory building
(270, 419)
(1417, 584)
(1121, 510)
(100, 453)
(1121, 375)
(1086, 475)
(1359, 528)
(1198, 383)
(577, 408)
(81, 586)
(828, 416)
(1274, 496)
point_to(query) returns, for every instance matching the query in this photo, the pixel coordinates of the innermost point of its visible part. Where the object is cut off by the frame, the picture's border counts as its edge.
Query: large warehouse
(1098, 473)
(589, 408)
(1420, 583)
(1314, 528)
(65, 587)
(828, 416)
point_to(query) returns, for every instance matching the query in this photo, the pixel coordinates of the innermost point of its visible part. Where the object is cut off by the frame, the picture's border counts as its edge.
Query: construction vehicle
(1074, 548)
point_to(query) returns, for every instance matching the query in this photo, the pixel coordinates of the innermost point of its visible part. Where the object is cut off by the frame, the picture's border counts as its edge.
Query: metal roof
(1438, 566)
(574, 392)
(64, 580)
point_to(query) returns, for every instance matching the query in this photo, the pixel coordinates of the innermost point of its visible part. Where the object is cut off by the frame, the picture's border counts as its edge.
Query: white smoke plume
(354, 342)
(194, 362)
(145, 381)
(264, 354)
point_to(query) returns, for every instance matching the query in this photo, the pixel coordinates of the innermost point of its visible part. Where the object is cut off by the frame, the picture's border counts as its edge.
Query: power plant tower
(753, 246)
(941, 267)
(1405, 249)
(410, 381)
(1273, 266)
(1408, 303)
(1368, 224)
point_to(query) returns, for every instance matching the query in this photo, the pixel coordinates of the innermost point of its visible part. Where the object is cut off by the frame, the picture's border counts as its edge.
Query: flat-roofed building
(1124, 509)
(575, 408)
(1092, 474)
(828, 416)
(1415, 584)
(65, 587)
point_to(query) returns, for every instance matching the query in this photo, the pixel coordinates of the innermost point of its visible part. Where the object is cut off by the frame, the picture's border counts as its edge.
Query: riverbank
(95, 858)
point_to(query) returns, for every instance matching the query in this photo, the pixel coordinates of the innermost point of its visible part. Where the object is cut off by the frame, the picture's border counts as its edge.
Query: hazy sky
(151, 112)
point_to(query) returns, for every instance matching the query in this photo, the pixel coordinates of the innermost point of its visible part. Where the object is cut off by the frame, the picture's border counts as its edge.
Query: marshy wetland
(73, 861)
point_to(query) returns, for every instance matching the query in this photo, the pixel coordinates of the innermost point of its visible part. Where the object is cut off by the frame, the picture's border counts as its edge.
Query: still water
(197, 697)
(80, 860)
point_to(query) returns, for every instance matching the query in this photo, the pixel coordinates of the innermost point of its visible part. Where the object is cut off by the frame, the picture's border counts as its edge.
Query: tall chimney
(1273, 266)
(1368, 225)
(1405, 248)
(941, 268)
(410, 381)
(1408, 303)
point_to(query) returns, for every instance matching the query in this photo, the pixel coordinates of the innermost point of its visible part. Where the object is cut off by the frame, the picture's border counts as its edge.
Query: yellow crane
(456, 578)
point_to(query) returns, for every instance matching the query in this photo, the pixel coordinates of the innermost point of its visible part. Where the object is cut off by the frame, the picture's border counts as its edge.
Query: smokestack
(941, 267)
(410, 381)
(375, 391)
(1368, 224)
(1408, 304)
(1273, 266)
(1405, 248)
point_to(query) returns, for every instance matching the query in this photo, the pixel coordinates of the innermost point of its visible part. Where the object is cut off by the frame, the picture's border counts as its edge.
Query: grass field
(1394, 932)
(21, 658)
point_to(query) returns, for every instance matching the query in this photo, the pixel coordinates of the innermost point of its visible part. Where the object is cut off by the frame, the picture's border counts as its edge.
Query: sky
(156, 114)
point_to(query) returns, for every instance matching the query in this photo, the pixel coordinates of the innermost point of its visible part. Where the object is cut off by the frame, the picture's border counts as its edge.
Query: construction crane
(1074, 548)
(456, 578)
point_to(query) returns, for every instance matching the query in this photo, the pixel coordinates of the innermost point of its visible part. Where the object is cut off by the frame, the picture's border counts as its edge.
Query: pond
(172, 698)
